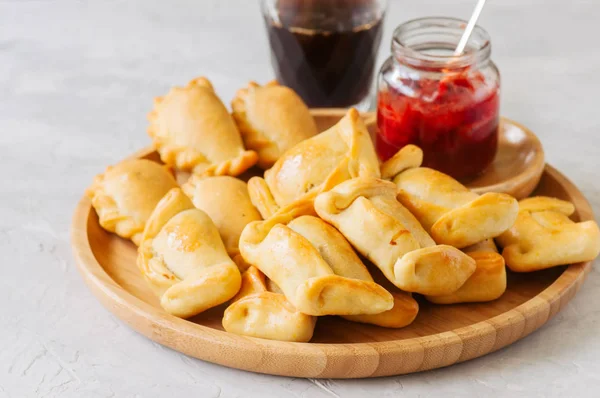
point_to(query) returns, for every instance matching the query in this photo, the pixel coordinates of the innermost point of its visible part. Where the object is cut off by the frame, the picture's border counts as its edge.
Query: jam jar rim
(405, 53)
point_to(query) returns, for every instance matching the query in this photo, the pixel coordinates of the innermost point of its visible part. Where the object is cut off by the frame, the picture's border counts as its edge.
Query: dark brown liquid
(327, 57)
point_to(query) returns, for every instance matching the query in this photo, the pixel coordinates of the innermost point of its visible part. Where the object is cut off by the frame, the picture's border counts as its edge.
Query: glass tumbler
(325, 50)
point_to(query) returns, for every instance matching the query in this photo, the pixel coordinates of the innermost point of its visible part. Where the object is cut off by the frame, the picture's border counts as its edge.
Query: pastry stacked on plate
(324, 230)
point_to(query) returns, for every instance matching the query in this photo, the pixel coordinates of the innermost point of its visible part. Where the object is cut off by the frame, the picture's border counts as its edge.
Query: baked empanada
(342, 152)
(125, 195)
(544, 236)
(305, 278)
(226, 201)
(342, 259)
(257, 312)
(366, 212)
(487, 283)
(272, 119)
(184, 260)
(193, 131)
(448, 210)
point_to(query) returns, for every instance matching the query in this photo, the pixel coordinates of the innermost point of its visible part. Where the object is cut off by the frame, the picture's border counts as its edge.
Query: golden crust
(203, 289)
(451, 213)
(272, 119)
(379, 236)
(485, 217)
(193, 131)
(318, 164)
(544, 236)
(435, 271)
(332, 246)
(342, 259)
(226, 201)
(171, 204)
(336, 295)
(409, 157)
(231, 167)
(487, 283)
(366, 212)
(402, 314)
(184, 260)
(269, 316)
(253, 281)
(544, 203)
(126, 194)
(256, 312)
(154, 271)
(306, 279)
(261, 197)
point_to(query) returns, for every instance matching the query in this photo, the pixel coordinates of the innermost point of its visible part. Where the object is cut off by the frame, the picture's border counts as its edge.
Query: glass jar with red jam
(448, 105)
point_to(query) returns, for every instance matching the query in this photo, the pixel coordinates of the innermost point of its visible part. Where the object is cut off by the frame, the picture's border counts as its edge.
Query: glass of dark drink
(325, 50)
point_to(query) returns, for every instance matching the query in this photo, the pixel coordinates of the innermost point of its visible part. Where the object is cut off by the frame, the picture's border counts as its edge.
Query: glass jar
(447, 105)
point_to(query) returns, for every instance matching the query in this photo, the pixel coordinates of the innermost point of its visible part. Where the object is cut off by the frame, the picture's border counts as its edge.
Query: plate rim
(153, 323)
(529, 175)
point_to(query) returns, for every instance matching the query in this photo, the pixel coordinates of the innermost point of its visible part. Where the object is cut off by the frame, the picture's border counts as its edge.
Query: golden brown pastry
(125, 195)
(544, 236)
(226, 201)
(253, 281)
(544, 203)
(342, 259)
(449, 211)
(193, 131)
(272, 119)
(403, 313)
(487, 283)
(315, 165)
(409, 157)
(305, 278)
(257, 312)
(367, 213)
(184, 260)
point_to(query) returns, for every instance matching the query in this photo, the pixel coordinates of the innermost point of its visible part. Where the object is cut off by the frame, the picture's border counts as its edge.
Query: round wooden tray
(440, 336)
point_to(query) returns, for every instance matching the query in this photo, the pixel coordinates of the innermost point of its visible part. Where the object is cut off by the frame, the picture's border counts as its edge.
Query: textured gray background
(76, 81)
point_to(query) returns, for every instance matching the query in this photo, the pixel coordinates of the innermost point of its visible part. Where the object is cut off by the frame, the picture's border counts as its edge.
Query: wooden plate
(516, 170)
(440, 336)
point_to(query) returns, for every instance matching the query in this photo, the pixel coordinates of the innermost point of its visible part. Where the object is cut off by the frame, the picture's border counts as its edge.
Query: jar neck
(429, 43)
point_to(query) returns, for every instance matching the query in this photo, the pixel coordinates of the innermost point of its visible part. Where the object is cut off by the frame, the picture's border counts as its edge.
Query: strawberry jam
(456, 126)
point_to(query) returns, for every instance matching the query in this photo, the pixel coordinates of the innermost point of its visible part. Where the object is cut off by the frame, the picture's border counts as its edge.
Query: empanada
(257, 312)
(342, 152)
(193, 131)
(487, 283)
(449, 211)
(305, 278)
(184, 260)
(226, 201)
(342, 259)
(272, 119)
(544, 236)
(125, 195)
(366, 212)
